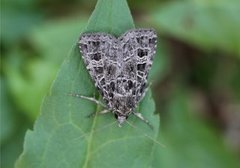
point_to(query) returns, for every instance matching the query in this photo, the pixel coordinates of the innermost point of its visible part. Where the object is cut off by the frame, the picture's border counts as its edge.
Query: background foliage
(196, 73)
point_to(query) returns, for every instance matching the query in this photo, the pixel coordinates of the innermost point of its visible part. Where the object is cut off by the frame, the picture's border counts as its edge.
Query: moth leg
(88, 98)
(104, 111)
(139, 115)
(101, 112)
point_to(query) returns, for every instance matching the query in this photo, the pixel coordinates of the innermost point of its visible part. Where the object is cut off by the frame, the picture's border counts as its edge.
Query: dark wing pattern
(119, 66)
(138, 49)
(99, 52)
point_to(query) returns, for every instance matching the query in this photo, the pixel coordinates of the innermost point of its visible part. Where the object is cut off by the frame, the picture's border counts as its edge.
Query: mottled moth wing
(99, 52)
(119, 66)
(138, 49)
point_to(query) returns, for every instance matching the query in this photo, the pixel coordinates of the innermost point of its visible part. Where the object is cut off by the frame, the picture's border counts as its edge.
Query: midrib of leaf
(85, 165)
(99, 6)
(90, 139)
(95, 19)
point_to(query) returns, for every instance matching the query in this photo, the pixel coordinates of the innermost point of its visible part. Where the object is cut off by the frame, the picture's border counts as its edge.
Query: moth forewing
(119, 67)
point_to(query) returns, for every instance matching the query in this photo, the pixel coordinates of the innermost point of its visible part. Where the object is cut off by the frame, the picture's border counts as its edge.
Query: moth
(119, 67)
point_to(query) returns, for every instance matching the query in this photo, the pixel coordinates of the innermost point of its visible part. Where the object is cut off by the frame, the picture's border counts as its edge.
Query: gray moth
(119, 67)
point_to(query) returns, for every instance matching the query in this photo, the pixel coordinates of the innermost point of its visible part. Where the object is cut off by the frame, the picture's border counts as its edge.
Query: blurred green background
(196, 73)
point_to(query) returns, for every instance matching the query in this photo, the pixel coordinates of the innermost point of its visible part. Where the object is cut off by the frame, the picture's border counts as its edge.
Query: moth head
(120, 118)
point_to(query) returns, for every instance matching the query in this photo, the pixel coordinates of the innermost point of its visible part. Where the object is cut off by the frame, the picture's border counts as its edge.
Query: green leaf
(207, 24)
(112, 17)
(64, 137)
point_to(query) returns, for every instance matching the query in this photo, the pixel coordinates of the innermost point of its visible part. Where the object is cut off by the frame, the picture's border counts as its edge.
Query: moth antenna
(154, 140)
(102, 128)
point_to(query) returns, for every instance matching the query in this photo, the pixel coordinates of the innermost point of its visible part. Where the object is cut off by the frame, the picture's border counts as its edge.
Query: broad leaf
(64, 137)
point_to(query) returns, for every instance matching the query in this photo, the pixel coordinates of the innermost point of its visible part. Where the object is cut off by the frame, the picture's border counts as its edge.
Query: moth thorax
(123, 104)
